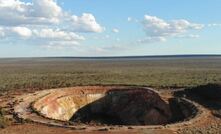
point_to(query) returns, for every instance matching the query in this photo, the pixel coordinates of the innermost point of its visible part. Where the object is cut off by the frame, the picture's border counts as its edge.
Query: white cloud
(44, 36)
(61, 44)
(13, 5)
(58, 38)
(152, 40)
(16, 12)
(22, 31)
(57, 34)
(156, 28)
(45, 12)
(214, 25)
(115, 30)
(84, 23)
(129, 19)
(188, 36)
(18, 32)
(2, 33)
(45, 8)
(44, 22)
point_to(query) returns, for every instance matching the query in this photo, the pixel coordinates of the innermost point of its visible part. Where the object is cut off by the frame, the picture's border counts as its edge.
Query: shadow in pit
(125, 107)
(207, 95)
(133, 107)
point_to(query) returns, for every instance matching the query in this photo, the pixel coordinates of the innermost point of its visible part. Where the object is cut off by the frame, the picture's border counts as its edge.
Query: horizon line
(127, 56)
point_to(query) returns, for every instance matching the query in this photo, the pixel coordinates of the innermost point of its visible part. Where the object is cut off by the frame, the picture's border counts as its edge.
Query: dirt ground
(42, 129)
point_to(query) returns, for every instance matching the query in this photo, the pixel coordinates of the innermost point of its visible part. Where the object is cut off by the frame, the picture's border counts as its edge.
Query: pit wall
(182, 110)
(63, 108)
(64, 105)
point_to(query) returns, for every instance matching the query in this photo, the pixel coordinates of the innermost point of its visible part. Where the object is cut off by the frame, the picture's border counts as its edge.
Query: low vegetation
(3, 120)
(44, 73)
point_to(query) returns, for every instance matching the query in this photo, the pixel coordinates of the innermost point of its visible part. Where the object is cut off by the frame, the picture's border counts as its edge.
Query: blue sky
(37, 28)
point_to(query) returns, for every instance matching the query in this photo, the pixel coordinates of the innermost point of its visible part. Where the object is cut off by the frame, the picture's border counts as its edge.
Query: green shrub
(4, 122)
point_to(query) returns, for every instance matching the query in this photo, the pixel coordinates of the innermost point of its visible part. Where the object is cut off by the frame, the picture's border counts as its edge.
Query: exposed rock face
(116, 106)
(63, 107)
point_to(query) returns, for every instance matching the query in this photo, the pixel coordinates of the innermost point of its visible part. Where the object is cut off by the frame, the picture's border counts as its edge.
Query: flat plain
(160, 72)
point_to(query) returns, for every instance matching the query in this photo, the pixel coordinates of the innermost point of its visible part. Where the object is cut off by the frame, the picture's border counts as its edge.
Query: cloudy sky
(37, 28)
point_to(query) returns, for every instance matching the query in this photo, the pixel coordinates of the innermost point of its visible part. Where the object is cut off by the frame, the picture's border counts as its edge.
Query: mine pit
(125, 107)
(103, 106)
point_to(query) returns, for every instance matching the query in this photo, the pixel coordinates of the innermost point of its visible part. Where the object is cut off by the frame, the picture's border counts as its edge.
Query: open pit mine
(110, 107)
